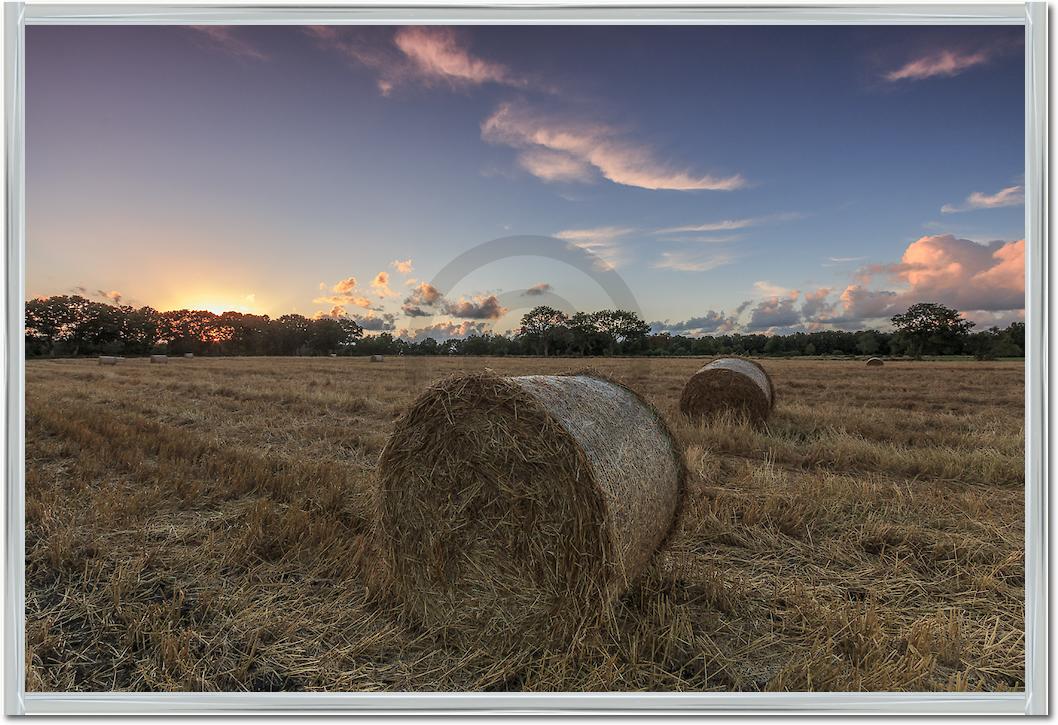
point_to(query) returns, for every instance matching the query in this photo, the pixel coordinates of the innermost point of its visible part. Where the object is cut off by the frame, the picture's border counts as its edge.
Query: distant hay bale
(189, 355)
(729, 384)
(108, 360)
(159, 359)
(875, 362)
(514, 509)
(377, 358)
(334, 354)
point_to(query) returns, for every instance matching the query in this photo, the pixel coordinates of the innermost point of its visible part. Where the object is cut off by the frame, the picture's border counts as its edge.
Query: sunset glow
(738, 179)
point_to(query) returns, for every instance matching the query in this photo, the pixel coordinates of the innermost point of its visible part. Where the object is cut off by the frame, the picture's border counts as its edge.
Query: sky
(735, 179)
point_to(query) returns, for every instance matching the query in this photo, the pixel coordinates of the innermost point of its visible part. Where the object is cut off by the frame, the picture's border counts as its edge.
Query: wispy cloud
(604, 242)
(563, 149)
(427, 55)
(725, 225)
(225, 38)
(1009, 196)
(688, 262)
(943, 63)
(437, 54)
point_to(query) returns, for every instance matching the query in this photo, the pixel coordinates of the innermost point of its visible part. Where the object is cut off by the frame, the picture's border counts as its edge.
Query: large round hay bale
(730, 384)
(875, 362)
(189, 355)
(377, 358)
(517, 508)
(108, 360)
(159, 359)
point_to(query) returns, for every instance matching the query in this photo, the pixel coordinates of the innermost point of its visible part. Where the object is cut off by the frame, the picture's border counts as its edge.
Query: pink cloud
(402, 265)
(427, 55)
(380, 284)
(345, 285)
(942, 268)
(437, 54)
(944, 63)
(591, 145)
(1009, 196)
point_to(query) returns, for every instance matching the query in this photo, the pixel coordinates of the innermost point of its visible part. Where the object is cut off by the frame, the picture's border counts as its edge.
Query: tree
(538, 325)
(622, 327)
(867, 343)
(927, 326)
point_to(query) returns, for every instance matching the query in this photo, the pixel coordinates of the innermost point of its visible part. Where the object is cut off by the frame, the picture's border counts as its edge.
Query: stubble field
(208, 525)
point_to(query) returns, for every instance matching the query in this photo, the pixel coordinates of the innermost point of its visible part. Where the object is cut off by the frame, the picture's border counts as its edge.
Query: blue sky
(738, 179)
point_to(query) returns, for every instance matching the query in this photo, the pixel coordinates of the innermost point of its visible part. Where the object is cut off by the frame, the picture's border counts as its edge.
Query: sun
(219, 304)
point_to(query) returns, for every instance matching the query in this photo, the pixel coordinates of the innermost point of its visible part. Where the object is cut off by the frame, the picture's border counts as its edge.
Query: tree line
(64, 326)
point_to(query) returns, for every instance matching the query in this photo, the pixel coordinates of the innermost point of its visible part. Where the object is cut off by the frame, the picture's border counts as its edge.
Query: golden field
(208, 525)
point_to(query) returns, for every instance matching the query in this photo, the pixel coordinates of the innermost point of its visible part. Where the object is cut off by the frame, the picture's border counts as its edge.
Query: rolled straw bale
(729, 384)
(515, 509)
(189, 355)
(377, 358)
(159, 359)
(875, 362)
(108, 360)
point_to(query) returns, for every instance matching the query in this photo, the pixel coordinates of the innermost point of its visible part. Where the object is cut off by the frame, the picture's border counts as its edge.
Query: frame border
(1033, 701)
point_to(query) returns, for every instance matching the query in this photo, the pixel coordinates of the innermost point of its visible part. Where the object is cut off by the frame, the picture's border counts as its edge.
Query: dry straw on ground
(875, 362)
(515, 509)
(215, 530)
(729, 385)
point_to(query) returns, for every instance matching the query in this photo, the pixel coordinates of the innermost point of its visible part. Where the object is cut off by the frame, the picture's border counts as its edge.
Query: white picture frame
(1034, 699)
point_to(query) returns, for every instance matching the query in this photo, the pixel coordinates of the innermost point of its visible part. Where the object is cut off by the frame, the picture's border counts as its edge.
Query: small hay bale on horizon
(108, 360)
(378, 358)
(730, 384)
(875, 362)
(159, 359)
(514, 510)
(189, 355)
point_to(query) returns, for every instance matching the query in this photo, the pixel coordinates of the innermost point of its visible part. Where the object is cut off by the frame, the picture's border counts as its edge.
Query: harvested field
(209, 525)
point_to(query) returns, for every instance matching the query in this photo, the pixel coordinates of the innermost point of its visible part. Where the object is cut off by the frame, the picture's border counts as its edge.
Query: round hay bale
(189, 355)
(377, 358)
(159, 359)
(875, 362)
(515, 509)
(108, 360)
(729, 384)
